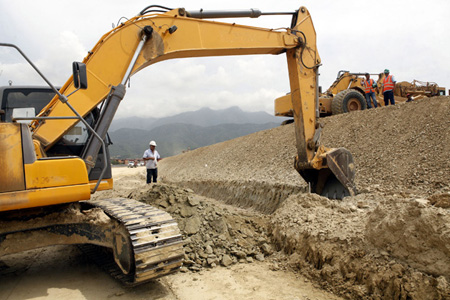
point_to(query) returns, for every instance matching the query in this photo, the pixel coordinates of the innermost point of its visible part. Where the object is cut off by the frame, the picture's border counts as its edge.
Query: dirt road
(63, 272)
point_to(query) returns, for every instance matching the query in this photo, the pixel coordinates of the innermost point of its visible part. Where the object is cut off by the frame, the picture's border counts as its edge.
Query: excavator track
(155, 240)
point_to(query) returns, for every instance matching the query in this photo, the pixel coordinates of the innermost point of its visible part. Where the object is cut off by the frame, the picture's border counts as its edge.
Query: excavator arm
(150, 38)
(37, 192)
(109, 60)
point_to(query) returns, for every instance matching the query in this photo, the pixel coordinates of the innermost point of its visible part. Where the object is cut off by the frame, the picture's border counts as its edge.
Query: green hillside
(174, 138)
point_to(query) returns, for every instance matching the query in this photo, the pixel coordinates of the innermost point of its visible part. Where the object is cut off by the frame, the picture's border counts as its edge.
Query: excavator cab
(28, 184)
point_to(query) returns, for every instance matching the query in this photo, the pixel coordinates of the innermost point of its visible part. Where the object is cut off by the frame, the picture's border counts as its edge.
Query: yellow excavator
(52, 165)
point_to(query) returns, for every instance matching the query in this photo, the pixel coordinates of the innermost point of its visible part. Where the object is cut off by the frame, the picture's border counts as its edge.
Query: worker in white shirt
(151, 156)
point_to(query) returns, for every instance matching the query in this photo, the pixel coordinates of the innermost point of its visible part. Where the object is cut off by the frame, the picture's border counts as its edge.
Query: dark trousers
(389, 96)
(374, 98)
(152, 173)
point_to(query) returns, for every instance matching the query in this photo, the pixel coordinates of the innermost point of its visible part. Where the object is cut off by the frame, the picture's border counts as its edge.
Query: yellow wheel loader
(346, 94)
(53, 165)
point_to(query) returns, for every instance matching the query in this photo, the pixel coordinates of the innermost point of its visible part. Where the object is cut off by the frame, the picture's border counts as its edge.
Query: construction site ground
(252, 231)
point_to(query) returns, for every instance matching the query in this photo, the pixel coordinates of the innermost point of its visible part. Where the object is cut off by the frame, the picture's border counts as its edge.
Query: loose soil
(64, 272)
(391, 241)
(253, 232)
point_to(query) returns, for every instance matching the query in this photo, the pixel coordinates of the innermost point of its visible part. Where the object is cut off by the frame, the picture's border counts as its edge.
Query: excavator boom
(109, 60)
(150, 38)
(44, 180)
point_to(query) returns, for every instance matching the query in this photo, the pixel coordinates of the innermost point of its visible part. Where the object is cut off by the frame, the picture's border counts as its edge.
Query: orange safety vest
(368, 86)
(388, 85)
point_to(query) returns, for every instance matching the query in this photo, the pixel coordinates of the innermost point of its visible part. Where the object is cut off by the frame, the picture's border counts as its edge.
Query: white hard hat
(152, 143)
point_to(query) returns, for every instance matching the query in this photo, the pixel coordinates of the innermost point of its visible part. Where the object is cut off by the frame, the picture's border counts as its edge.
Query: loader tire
(347, 101)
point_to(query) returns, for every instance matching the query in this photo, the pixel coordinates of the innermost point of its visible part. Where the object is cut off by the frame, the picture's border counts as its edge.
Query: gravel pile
(401, 148)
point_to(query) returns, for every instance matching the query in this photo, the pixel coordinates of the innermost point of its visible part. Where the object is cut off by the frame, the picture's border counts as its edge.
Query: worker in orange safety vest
(388, 88)
(369, 89)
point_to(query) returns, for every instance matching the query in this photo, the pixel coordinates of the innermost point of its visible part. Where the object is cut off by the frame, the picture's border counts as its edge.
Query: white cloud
(190, 84)
(55, 64)
(408, 37)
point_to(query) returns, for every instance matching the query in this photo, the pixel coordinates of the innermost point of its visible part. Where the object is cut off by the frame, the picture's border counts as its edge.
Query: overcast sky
(410, 38)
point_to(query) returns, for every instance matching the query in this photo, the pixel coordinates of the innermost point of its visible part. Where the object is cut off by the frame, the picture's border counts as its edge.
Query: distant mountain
(132, 122)
(208, 117)
(188, 130)
(173, 138)
(203, 117)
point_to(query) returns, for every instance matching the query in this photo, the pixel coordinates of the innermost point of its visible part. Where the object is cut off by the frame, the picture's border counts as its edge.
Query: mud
(25, 233)
(215, 234)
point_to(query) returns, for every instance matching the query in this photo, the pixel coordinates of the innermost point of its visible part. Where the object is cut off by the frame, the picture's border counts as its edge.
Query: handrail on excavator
(82, 83)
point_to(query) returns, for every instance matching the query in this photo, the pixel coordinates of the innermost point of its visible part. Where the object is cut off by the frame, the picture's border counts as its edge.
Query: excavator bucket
(340, 182)
(336, 181)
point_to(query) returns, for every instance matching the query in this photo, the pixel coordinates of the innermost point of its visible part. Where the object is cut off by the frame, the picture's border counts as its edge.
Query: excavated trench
(389, 242)
(260, 196)
(241, 200)
(371, 246)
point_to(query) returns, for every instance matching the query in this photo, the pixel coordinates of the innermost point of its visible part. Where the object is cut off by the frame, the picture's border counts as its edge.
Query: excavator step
(154, 237)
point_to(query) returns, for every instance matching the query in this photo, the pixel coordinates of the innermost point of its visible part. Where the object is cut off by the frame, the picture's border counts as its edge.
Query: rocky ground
(389, 242)
(253, 232)
(228, 256)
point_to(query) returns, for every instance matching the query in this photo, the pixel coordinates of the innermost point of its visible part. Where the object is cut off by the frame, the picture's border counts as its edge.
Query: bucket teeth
(335, 178)
(340, 162)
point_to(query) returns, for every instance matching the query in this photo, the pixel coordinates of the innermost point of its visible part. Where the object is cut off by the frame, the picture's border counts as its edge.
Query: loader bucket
(336, 181)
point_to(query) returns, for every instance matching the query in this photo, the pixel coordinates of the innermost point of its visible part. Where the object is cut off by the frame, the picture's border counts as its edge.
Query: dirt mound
(397, 149)
(390, 241)
(368, 246)
(412, 232)
(215, 233)
(401, 148)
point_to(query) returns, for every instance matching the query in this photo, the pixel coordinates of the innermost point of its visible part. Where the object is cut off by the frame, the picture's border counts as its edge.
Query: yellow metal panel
(283, 106)
(11, 161)
(43, 197)
(106, 184)
(56, 172)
